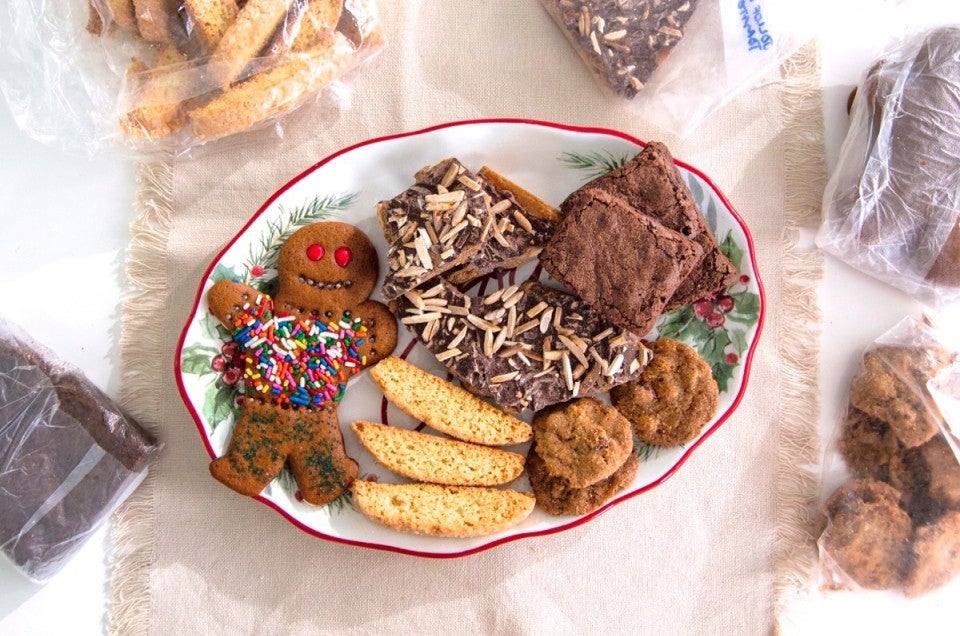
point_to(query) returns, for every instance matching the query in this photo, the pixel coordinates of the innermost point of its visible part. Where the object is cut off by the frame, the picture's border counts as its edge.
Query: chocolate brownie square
(651, 183)
(623, 263)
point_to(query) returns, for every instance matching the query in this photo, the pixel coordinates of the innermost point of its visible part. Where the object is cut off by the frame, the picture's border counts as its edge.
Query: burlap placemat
(703, 553)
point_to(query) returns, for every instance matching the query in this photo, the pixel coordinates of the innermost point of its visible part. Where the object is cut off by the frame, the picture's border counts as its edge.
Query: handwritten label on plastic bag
(750, 36)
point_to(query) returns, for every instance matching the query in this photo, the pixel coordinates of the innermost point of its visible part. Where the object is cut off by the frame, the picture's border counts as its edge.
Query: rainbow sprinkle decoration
(292, 362)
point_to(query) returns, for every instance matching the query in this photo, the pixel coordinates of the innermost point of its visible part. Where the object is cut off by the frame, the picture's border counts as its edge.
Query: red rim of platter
(502, 540)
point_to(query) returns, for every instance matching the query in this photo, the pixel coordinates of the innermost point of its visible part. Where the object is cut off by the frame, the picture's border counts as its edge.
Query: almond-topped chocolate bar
(526, 346)
(433, 226)
(622, 41)
(522, 225)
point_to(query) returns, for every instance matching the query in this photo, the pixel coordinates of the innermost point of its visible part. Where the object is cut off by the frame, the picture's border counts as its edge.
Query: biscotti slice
(157, 21)
(160, 96)
(444, 511)
(518, 231)
(437, 460)
(445, 407)
(243, 40)
(524, 347)
(434, 226)
(652, 184)
(121, 12)
(208, 20)
(273, 91)
(624, 264)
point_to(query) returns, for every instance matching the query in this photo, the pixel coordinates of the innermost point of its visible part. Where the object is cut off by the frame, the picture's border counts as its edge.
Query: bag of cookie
(891, 208)
(169, 75)
(68, 456)
(677, 61)
(892, 512)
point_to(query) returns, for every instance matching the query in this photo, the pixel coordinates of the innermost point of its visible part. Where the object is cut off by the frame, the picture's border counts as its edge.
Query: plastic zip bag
(677, 61)
(167, 76)
(891, 207)
(68, 456)
(895, 522)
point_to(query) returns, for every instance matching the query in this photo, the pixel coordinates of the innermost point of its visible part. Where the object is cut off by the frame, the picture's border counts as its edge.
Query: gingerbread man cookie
(300, 348)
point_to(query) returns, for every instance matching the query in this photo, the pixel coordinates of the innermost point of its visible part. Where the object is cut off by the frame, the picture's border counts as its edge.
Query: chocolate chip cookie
(868, 533)
(582, 441)
(672, 399)
(555, 496)
(892, 388)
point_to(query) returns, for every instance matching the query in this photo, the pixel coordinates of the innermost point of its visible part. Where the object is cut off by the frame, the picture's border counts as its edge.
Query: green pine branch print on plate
(262, 255)
(594, 164)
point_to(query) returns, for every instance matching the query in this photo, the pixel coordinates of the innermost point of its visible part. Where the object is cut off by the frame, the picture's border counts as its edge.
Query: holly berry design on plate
(717, 326)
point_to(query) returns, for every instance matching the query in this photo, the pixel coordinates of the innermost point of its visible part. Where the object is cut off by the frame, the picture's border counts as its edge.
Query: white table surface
(64, 232)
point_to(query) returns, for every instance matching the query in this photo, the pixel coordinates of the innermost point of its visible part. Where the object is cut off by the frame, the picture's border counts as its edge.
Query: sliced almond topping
(677, 33)
(615, 365)
(496, 315)
(499, 340)
(618, 341)
(594, 43)
(634, 366)
(574, 349)
(567, 371)
(449, 353)
(536, 309)
(613, 36)
(511, 302)
(493, 297)
(500, 206)
(414, 297)
(603, 334)
(480, 323)
(545, 320)
(457, 339)
(522, 221)
(504, 377)
(450, 174)
(468, 182)
(422, 318)
(527, 326)
(488, 343)
(449, 198)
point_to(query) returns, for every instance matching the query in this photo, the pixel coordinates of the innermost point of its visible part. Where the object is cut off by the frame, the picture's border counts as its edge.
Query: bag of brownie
(677, 61)
(891, 207)
(170, 76)
(891, 510)
(68, 456)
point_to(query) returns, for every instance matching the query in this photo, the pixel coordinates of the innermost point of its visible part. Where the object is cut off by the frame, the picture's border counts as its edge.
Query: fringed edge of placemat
(133, 535)
(799, 337)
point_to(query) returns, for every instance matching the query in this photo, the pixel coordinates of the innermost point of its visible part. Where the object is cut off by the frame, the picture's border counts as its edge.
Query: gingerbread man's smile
(321, 284)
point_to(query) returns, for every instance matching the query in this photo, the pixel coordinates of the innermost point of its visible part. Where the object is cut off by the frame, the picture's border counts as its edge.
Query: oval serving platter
(551, 160)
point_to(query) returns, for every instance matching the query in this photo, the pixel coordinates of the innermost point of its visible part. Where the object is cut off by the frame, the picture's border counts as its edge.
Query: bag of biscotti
(678, 61)
(168, 76)
(891, 482)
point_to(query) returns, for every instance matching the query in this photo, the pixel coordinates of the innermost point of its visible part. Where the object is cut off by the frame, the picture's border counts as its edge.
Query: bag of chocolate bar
(166, 76)
(677, 61)
(68, 456)
(892, 473)
(892, 207)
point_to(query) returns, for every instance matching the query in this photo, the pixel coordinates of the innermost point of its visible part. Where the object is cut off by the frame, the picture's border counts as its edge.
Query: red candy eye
(315, 252)
(342, 256)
